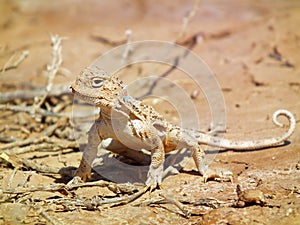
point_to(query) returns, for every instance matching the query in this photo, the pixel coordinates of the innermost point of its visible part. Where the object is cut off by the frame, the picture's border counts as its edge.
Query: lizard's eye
(96, 82)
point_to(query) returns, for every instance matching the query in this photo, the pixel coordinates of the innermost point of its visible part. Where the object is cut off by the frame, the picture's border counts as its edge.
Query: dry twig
(107, 41)
(178, 204)
(31, 110)
(44, 136)
(187, 18)
(53, 146)
(53, 68)
(10, 64)
(56, 90)
(95, 202)
(71, 186)
(48, 218)
(128, 34)
(166, 199)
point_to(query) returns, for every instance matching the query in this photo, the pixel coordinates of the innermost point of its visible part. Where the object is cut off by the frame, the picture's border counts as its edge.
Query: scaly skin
(139, 126)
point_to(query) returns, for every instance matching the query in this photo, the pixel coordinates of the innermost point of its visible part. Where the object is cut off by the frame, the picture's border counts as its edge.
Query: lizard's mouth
(74, 91)
(85, 97)
(78, 94)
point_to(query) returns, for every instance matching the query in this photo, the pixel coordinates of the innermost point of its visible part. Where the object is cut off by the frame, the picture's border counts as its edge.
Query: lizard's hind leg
(208, 173)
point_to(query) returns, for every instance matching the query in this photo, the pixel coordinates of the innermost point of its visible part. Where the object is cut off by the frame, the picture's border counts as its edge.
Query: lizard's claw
(154, 178)
(83, 174)
(152, 184)
(218, 175)
(84, 171)
(153, 187)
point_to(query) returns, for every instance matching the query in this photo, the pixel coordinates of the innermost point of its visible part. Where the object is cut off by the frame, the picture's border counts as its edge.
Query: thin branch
(48, 218)
(54, 146)
(178, 204)
(31, 110)
(34, 140)
(42, 137)
(166, 199)
(107, 41)
(56, 90)
(13, 65)
(166, 73)
(70, 186)
(95, 202)
(190, 43)
(53, 68)
(11, 178)
(128, 34)
(187, 18)
(40, 168)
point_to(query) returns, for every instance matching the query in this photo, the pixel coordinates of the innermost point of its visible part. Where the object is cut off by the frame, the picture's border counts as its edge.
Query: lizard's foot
(83, 173)
(154, 178)
(218, 175)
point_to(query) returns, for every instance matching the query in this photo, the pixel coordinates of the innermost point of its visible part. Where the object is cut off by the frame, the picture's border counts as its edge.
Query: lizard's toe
(152, 184)
(84, 175)
(154, 177)
(218, 175)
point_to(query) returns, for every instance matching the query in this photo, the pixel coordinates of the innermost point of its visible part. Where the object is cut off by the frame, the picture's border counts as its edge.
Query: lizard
(138, 126)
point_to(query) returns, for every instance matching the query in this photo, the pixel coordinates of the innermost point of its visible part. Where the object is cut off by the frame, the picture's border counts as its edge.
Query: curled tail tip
(288, 115)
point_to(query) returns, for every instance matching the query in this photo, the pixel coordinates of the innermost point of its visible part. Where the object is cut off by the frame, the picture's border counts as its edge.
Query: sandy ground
(252, 48)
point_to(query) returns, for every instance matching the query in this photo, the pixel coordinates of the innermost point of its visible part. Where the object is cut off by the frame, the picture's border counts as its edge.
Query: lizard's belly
(170, 143)
(133, 134)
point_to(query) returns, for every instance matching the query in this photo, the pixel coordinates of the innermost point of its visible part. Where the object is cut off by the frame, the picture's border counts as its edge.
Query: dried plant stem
(43, 137)
(48, 218)
(10, 64)
(186, 20)
(178, 204)
(53, 68)
(128, 34)
(54, 146)
(57, 90)
(31, 110)
(107, 41)
(70, 186)
(28, 141)
(95, 202)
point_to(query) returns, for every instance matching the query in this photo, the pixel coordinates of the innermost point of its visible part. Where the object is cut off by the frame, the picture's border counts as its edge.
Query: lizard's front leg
(155, 172)
(89, 154)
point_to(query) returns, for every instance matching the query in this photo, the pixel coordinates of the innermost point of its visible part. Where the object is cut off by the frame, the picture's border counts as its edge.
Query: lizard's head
(97, 87)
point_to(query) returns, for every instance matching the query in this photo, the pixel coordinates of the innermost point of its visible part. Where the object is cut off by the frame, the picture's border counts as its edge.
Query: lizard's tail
(255, 144)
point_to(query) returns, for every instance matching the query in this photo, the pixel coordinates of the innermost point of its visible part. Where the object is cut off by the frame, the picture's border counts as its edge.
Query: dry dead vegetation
(38, 151)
